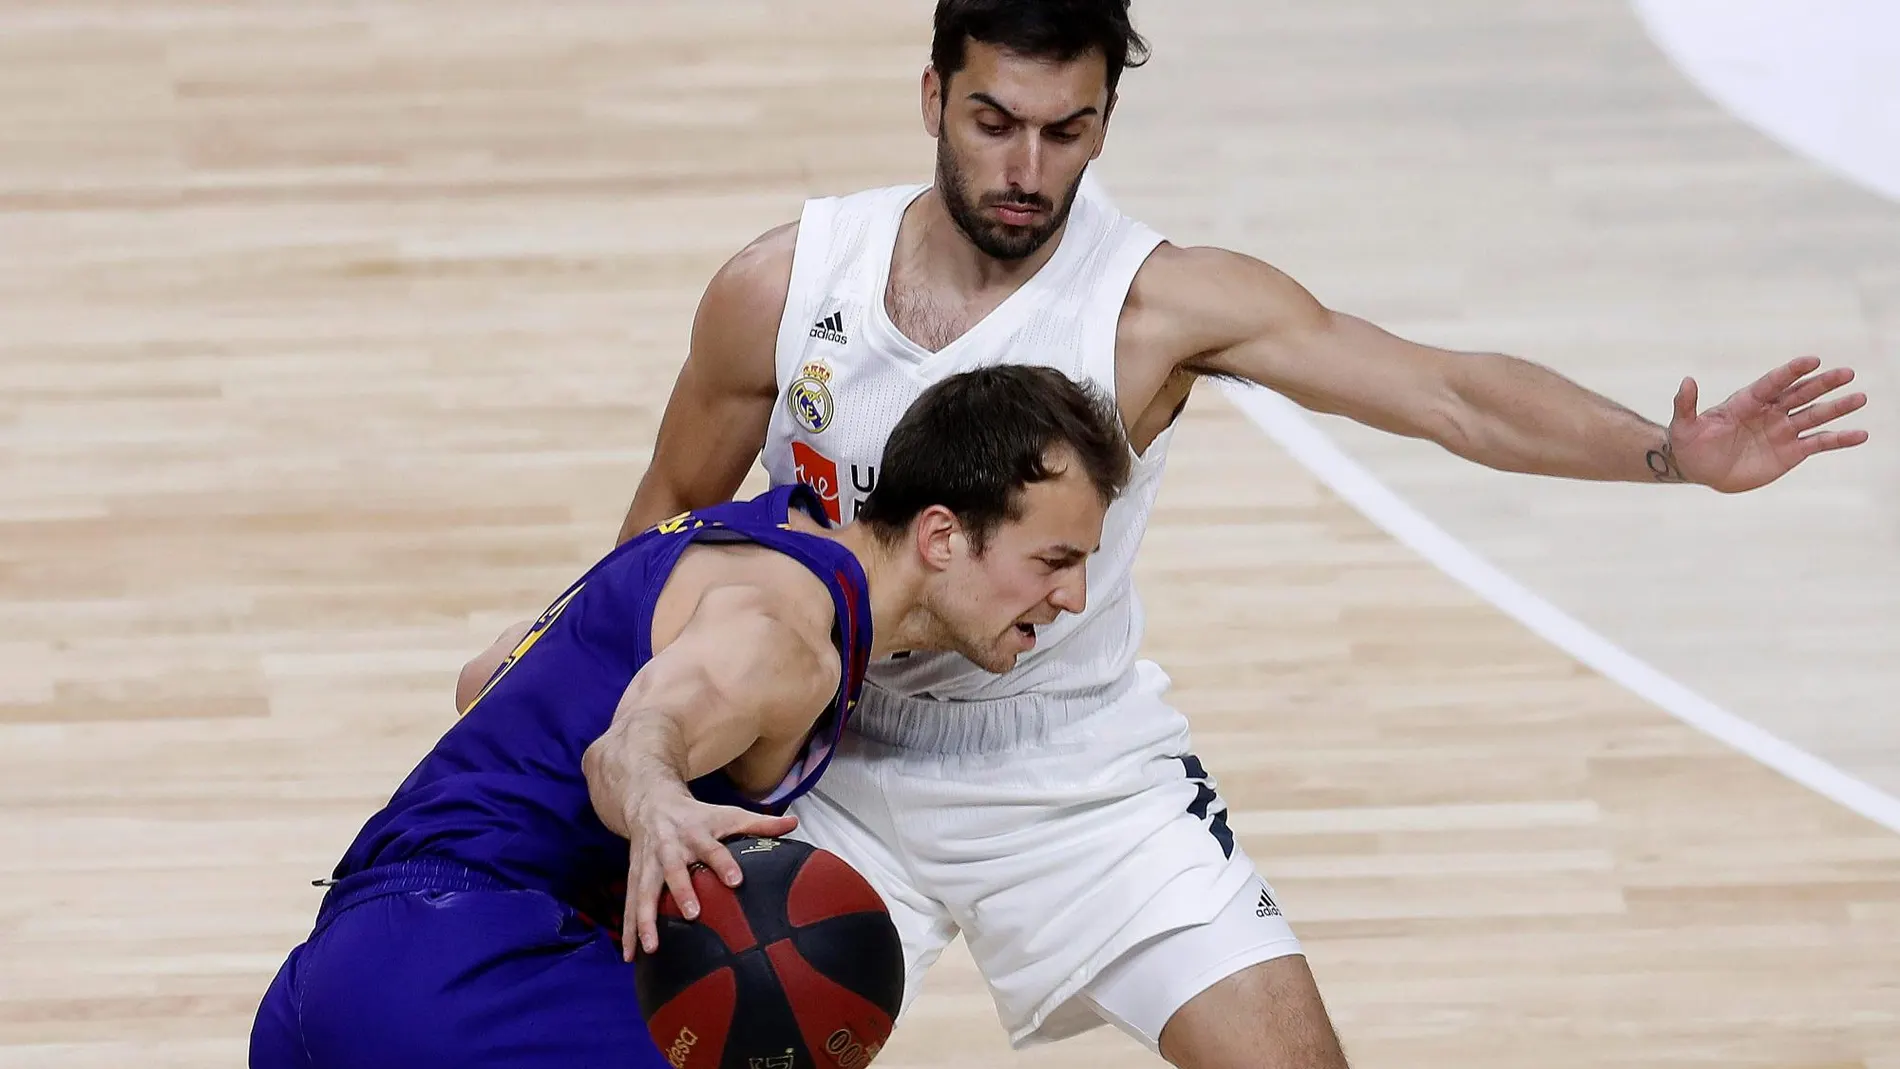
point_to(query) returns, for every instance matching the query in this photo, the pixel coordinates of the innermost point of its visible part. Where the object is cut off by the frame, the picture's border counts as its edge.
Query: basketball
(800, 965)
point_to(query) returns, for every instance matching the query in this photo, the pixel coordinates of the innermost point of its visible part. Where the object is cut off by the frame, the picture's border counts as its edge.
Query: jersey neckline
(1005, 317)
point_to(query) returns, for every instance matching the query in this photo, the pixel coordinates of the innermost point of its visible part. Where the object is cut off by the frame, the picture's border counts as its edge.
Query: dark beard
(998, 241)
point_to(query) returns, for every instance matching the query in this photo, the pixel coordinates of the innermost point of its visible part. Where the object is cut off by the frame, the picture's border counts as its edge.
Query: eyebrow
(991, 102)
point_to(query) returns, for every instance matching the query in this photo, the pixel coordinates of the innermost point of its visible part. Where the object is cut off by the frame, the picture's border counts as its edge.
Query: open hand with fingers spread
(1761, 433)
(671, 831)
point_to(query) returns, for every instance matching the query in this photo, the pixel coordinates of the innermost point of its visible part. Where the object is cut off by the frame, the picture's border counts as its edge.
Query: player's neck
(895, 585)
(929, 236)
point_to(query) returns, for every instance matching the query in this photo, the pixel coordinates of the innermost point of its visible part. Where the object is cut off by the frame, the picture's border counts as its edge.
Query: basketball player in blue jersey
(1056, 815)
(692, 683)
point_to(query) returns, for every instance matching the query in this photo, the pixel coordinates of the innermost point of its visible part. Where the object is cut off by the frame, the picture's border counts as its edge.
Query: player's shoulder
(758, 278)
(776, 590)
(1199, 294)
(1169, 295)
(763, 265)
(1175, 275)
(777, 621)
(739, 313)
(876, 198)
(821, 216)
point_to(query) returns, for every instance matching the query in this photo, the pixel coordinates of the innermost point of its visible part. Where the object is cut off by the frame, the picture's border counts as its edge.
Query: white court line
(1286, 424)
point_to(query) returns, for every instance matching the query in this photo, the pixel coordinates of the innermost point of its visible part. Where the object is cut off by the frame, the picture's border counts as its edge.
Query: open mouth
(1026, 636)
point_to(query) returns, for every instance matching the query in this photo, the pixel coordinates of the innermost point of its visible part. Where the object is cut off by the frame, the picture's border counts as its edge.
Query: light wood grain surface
(333, 337)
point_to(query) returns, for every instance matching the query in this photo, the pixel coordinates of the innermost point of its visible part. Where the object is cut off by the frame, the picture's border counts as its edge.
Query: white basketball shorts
(1079, 846)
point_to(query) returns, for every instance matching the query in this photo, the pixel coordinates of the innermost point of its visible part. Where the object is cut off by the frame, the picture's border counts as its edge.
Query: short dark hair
(1060, 30)
(975, 440)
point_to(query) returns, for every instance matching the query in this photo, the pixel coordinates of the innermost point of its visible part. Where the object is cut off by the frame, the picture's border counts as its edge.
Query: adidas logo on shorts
(1266, 908)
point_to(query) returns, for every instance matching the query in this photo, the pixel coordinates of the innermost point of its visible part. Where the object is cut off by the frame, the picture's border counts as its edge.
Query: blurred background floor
(333, 337)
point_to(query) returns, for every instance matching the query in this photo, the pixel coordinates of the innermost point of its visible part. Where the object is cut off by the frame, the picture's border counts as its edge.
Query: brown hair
(1038, 29)
(973, 441)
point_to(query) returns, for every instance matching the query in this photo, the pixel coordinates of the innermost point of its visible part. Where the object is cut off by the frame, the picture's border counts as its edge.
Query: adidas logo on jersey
(831, 329)
(1266, 908)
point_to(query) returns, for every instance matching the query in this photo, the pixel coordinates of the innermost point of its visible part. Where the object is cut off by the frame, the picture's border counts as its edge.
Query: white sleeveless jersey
(846, 375)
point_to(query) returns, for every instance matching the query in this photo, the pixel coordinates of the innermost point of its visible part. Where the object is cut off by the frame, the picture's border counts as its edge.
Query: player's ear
(933, 103)
(937, 534)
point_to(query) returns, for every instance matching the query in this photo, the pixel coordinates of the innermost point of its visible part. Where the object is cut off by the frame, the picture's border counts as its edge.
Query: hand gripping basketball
(800, 967)
(671, 832)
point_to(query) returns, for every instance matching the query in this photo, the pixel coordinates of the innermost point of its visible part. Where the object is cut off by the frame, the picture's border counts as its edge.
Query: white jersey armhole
(1110, 298)
(811, 260)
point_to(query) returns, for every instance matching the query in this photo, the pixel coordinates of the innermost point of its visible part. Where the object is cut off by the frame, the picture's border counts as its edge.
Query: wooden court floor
(1538, 179)
(332, 339)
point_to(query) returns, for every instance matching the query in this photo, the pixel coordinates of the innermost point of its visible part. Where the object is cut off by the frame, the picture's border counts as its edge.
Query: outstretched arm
(715, 420)
(747, 666)
(1252, 322)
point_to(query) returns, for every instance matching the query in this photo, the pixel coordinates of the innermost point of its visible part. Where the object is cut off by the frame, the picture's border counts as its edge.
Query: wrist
(1662, 463)
(648, 792)
(621, 786)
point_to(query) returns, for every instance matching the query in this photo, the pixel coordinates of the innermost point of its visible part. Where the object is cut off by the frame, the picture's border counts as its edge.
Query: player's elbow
(468, 684)
(1450, 421)
(475, 675)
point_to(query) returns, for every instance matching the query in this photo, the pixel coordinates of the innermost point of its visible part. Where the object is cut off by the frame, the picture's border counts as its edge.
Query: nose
(1072, 594)
(1025, 165)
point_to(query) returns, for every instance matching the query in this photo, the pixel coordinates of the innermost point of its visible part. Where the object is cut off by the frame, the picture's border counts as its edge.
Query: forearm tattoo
(1662, 464)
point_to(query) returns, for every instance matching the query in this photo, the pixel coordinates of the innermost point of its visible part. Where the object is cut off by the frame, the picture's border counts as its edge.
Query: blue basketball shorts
(426, 963)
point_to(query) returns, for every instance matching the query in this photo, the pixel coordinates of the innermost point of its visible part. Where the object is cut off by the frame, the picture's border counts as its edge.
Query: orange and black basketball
(799, 965)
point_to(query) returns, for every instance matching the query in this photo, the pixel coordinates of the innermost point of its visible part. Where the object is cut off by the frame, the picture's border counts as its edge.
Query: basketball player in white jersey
(1056, 815)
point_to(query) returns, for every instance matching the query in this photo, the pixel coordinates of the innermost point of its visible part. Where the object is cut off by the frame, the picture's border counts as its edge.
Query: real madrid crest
(809, 396)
